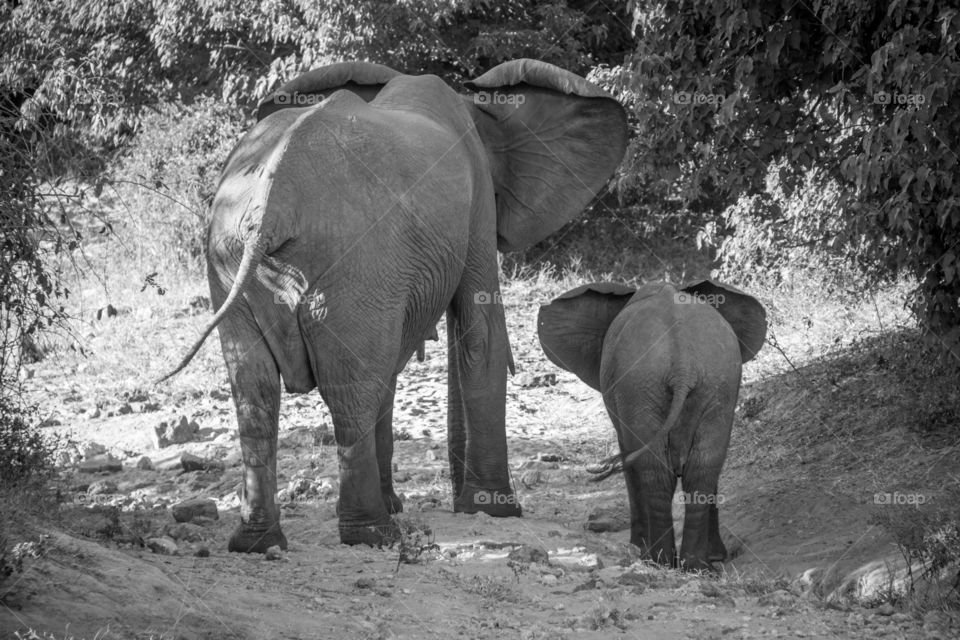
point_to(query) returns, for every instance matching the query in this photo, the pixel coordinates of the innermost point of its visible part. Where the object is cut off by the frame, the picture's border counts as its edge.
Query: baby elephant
(668, 362)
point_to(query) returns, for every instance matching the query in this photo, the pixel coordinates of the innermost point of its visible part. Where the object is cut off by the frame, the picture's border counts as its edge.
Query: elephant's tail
(245, 273)
(616, 463)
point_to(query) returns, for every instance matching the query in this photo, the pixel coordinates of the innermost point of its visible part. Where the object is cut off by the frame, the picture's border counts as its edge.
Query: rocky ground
(149, 496)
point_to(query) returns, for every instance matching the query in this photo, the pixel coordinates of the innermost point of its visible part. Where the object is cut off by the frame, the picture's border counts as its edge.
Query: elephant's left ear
(572, 327)
(555, 139)
(742, 311)
(362, 78)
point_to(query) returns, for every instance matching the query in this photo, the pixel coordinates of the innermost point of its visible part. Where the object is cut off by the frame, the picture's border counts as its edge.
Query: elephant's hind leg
(255, 380)
(650, 486)
(701, 543)
(384, 437)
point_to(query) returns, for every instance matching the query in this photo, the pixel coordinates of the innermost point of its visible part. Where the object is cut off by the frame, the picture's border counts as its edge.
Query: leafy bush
(929, 540)
(784, 236)
(864, 93)
(167, 177)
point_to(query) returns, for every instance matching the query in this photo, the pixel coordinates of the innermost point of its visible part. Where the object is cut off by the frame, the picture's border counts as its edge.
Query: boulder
(187, 510)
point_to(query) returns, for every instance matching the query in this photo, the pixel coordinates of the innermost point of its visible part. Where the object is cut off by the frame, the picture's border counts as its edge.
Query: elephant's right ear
(742, 311)
(572, 327)
(554, 140)
(363, 78)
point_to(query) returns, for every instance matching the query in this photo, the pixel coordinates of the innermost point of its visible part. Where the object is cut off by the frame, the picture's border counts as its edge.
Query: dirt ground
(804, 551)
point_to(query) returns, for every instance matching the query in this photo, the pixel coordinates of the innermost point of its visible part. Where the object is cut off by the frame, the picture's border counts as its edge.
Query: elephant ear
(554, 138)
(572, 327)
(362, 78)
(742, 311)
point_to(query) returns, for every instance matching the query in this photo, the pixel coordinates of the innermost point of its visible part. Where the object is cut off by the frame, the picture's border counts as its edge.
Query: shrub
(167, 178)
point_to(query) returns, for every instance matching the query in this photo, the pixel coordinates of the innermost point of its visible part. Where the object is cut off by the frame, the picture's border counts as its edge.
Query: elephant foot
(392, 503)
(372, 535)
(247, 539)
(697, 564)
(718, 552)
(499, 503)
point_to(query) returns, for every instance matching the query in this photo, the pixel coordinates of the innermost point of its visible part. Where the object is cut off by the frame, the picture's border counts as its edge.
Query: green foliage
(929, 540)
(100, 62)
(167, 177)
(864, 93)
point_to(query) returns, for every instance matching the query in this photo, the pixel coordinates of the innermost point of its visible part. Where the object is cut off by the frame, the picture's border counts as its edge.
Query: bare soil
(798, 491)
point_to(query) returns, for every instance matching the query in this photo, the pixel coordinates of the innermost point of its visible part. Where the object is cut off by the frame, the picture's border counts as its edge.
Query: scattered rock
(531, 478)
(149, 407)
(101, 487)
(608, 519)
(402, 476)
(184, 531)
(886, 609)
(778, 598)
(527, 553)
(166, 434)
(92, 449)
(298, 438)
(365, 583)
(273, 553)
(164, 545)
(124, 409)
(550, 457)
(100, 463)
(202, 551)
(549, 579)
(188, 510)
(190, 462)
(431, 455)
(529, 380)
(145, 464)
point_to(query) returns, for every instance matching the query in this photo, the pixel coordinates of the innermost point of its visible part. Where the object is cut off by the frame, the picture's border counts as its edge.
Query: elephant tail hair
(245, 273)
(616, 463)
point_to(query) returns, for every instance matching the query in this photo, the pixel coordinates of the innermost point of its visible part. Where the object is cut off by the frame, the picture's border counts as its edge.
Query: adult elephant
(342, 230)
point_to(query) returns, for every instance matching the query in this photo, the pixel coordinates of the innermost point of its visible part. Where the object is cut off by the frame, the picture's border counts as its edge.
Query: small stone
(365, 583)
(273, 553)
(167, 434)
(527, 553)
(886, 609)
(531, 478)
(606, 519)
(92, 450)
(198, 507)
(298, 438)
(202, 551)
(101, 487)
(164, 545)
(124, 409)
(548, 579)
(190, 462)
(550, 457)
(431, 455)
(529, 380)
(97, 464)
(149, 407)
(145, 464)
(96, 413)
(184, 531)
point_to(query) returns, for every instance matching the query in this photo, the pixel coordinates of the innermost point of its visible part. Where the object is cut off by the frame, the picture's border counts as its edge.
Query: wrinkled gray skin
(668, 362)
(342, 230)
